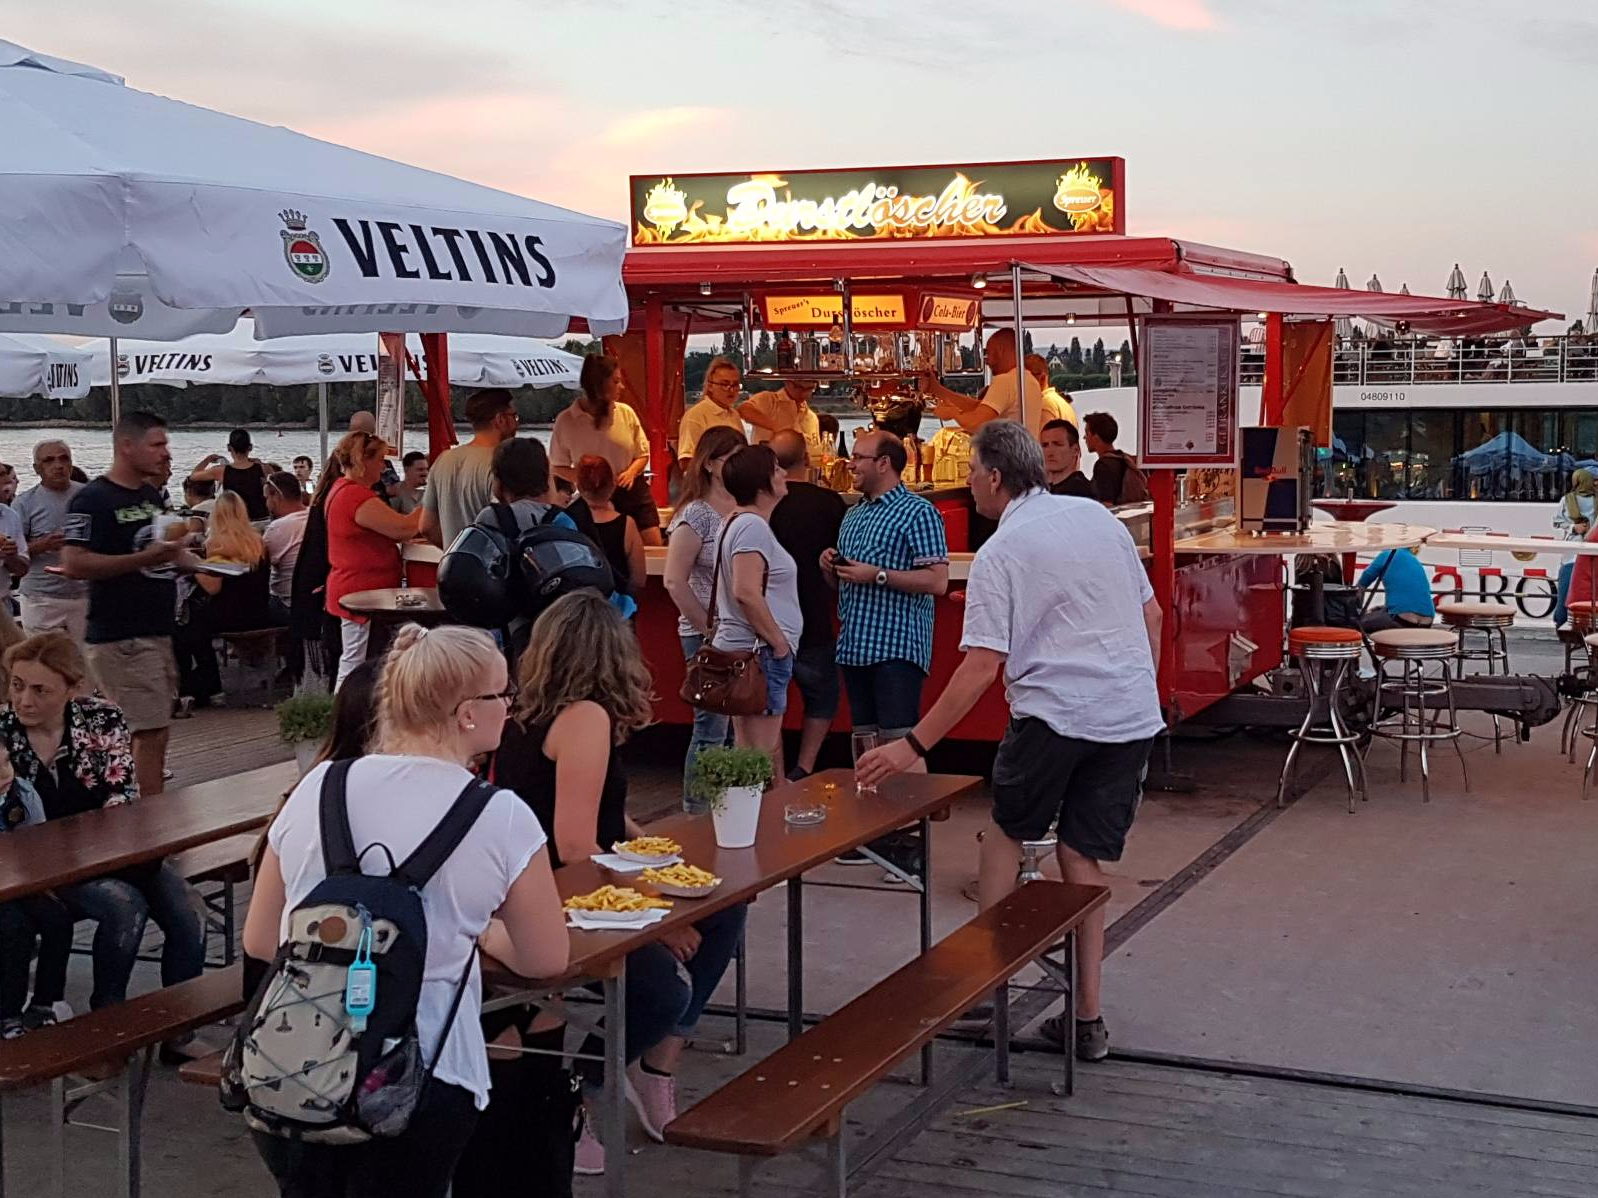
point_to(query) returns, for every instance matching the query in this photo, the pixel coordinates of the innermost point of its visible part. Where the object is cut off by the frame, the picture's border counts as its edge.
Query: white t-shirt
(750, 534)
(575, 436)
(1005, 400)
(283, 538)
(705, 414)
(783, 411)
(1060, 591)
(397, 801)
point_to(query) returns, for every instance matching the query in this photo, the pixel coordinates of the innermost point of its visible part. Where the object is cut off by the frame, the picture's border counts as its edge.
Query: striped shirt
(895, 531)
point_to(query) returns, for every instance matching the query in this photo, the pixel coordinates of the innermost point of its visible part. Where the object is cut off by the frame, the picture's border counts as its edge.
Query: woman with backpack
(442, 700)
(584, 690)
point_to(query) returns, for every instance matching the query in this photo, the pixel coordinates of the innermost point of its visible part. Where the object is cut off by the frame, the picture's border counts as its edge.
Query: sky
(1394, 137)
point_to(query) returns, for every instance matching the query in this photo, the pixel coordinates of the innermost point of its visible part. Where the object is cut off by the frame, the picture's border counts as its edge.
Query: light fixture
(1070, 318)
(704, 289)
(979, 281)
(1264, 315)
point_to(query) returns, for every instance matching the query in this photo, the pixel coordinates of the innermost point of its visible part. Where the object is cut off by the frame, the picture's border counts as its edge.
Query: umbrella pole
(321, 419)
(116, 387)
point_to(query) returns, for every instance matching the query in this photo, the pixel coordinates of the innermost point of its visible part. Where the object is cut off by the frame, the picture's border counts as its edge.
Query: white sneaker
(590, 1159)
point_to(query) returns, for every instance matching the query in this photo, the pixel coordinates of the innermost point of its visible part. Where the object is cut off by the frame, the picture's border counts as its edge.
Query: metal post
(838, 1163)
(133, 1079)
(796, 957)
(926, 927)
(848, 325)
(740, 1037)
(1070, 1017)
(321, 422)
(1001, 1033)
(116, 387)
(58, 1137)
(616, 1082)
(1020, 347)
(749, 333)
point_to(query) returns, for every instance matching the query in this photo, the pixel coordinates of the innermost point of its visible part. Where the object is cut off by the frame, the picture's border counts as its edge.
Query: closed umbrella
(1403, 289)
(1507, 295)
(1344, 326)
(1592, 306)
(1374, 284)
(1484, 289)
(123, 207)
(32, 365)
(237, 358)
(1457, 287)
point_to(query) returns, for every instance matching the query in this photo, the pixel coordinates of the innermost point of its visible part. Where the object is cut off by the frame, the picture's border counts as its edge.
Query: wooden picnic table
(781, 853)
(91, 845)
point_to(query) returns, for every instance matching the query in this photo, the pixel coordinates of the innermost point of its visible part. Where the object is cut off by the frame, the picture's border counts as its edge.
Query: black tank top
(249, 485)
(611, 537)
(520, 765)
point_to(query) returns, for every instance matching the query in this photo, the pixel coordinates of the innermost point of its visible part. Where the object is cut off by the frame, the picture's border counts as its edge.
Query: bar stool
(1590, 641)
(1413, 649)
(1324, 657)
(1489, 621)
(1583, 623)
(1032, 854)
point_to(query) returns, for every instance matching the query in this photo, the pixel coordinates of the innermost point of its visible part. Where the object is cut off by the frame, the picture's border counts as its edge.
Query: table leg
(796, 958)
(58, 1137)
(1070, 1017)
(1001, 1034)
(926, 927)
(133, 1079)
(838, 1163)
(616, 1082)
(741, 995)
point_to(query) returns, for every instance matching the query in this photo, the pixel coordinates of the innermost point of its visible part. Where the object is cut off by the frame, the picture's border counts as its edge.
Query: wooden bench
(124, 1038)
(798, 1095)
(227, 863)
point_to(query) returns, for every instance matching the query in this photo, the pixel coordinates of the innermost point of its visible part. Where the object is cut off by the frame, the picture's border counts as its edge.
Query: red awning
(1425, 314)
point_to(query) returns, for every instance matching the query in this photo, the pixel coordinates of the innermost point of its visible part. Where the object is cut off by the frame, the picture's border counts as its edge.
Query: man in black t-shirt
(1062, 460)
(806, 523)
(122, 540)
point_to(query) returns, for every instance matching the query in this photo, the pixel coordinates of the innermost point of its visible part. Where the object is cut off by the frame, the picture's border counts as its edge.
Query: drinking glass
(805, 805)
(861, 743)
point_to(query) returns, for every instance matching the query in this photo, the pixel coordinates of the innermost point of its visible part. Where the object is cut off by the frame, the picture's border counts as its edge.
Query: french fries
(615, 899)
(650, 846)
(688, 877)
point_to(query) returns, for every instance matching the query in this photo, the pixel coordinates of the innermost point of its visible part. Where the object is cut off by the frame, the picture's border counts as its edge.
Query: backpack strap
(443, 840)
(338, 842)
(551, 514)
(506, 519)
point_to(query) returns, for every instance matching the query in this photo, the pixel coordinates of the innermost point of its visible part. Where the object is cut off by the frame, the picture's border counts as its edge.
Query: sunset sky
(1394, 136)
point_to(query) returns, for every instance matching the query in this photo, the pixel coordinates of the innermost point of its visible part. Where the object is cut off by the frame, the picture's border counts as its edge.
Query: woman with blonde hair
(363, 539)
(221, 603)
(584, 690)
(442, 699)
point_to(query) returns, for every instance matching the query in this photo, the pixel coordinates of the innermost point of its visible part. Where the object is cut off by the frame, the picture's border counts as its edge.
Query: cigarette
(988, 1110)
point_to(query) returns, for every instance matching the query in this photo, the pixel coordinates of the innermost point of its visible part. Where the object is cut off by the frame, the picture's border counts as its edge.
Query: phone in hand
(838, 559)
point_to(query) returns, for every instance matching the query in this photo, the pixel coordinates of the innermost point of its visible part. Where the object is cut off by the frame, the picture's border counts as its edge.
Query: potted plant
(731, 780)
(303, 720)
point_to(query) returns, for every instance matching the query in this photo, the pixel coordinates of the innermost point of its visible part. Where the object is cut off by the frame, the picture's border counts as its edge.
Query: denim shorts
(815, 672)
(885, 696)
(779, 673)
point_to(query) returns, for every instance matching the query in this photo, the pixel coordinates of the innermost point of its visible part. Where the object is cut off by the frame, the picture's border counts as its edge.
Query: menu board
(391, 389)
(1187, 383)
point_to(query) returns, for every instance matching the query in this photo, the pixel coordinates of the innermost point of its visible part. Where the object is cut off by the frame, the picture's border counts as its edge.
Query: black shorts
(637, 501)
(1093, 788)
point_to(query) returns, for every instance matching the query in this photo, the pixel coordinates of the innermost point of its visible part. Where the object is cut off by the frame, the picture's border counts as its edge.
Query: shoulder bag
(725, 681)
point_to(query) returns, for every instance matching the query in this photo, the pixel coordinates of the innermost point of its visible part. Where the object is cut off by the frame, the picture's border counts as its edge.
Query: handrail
(1383, 361)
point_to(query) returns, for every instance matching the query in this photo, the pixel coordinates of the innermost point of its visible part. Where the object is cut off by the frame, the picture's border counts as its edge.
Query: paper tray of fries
(614, 907)
(647, 850)
(681, 880)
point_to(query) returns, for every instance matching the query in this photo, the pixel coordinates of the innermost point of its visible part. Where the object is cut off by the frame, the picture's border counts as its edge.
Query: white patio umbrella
(1344, 327)
(1507, 294)
(31, 365)
(237, 358)
(123, 208)
(1373, 284)
(1403, 289)
(1592, 306)
(1457, 287)
(1484, 289)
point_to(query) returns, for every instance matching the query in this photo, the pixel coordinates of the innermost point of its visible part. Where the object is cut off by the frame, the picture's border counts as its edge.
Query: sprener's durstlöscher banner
(1066, 197)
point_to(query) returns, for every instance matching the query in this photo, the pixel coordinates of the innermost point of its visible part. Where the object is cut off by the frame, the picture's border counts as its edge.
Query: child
(22, 920)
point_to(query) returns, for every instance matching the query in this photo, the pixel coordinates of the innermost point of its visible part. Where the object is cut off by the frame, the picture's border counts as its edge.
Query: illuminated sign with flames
(1069, 197)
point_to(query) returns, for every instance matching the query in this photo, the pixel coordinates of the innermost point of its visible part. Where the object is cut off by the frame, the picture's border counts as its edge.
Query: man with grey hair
(1058, 599)
(49, 598)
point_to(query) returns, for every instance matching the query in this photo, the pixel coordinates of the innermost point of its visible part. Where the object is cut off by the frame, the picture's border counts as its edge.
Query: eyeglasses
(506, 696)
(725, 386)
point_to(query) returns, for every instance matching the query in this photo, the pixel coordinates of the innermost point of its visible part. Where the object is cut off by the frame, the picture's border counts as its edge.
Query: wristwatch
(882, 578)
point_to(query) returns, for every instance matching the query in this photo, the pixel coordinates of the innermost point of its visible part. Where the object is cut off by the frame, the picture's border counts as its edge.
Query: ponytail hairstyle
(596, 374)
(427, 674)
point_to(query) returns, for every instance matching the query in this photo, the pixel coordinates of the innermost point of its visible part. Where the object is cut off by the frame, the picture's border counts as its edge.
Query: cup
(805, 805)
(861, 743)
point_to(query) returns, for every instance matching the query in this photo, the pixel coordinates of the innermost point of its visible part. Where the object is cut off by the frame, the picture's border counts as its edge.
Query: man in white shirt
(722, 380)
(285, 503)
(1002, 399)
(50, 600)
(1058, 600)
(770, 412)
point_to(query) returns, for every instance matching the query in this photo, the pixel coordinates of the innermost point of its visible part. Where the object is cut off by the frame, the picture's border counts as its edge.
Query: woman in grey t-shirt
(757, 591)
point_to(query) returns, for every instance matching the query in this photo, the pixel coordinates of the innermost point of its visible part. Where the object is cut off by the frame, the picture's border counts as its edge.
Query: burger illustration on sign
(302, 248)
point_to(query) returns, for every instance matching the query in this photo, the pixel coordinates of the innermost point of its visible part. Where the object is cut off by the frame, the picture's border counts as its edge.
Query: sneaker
(853, 857)
(654, 1097)
(590, 1160)
(11, 1029)
(62, 1011)
(976, 1019)
(1092, 1040)
(798, 774)
(36, 1017)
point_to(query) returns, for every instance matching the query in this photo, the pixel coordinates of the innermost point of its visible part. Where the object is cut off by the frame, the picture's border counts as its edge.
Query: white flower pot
(737, 816)
(305, 752)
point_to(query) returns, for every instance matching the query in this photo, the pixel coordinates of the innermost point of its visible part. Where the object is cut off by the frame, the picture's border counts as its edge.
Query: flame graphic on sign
(1081, 195)
(665, 206)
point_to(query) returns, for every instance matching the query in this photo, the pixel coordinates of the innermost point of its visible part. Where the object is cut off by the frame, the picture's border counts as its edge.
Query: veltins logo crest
(302, 248)
(324, 364)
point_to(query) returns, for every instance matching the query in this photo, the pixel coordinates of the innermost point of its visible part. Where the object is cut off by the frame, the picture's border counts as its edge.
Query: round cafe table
(389, 607)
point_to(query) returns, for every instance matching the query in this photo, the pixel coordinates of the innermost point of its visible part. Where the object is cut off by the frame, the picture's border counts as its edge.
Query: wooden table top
(96, 843)
(1333, 536)
(384, 601)
(780, 852)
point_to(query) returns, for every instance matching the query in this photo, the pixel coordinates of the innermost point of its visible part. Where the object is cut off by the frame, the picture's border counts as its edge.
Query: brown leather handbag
(725, 681)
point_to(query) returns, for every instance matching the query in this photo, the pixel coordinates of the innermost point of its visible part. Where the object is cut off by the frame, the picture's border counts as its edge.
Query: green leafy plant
(719, 769)
(306, 716)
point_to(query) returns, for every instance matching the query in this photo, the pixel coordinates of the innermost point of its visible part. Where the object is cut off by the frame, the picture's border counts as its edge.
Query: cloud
(1190, 15)
(646, 128)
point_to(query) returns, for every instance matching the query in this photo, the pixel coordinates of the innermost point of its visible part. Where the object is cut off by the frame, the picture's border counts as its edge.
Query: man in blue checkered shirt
(892, 559)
